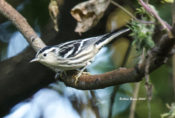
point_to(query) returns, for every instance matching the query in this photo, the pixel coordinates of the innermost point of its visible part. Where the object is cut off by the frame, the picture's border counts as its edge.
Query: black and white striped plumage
(74, 54)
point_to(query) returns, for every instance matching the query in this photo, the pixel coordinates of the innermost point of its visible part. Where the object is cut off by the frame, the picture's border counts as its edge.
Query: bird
(75, 54)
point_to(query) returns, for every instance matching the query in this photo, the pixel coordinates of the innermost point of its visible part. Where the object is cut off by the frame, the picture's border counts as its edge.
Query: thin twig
(133, 105)
(127, 53)
(165, 25)
(130, 14)
(94, 104)
(125, 10)
(112, 100)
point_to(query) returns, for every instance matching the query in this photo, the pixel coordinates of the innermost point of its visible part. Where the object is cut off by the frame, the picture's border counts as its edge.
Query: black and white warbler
(76, 54)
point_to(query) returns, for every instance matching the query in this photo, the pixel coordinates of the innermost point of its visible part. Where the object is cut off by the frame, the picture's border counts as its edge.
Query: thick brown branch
(14, 3)
(115, 77)
(20, 22)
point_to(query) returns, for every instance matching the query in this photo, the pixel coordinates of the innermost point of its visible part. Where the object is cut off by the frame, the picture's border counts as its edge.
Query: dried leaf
(89, 13)
(53, 12)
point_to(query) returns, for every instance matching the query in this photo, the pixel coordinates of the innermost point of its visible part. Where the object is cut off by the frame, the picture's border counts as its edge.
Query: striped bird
(76, 54)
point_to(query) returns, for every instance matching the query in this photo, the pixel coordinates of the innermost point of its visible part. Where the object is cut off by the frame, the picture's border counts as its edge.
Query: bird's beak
(34, 60)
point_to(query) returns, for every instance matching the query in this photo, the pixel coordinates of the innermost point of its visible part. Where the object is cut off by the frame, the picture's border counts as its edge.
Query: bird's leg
(81, 72)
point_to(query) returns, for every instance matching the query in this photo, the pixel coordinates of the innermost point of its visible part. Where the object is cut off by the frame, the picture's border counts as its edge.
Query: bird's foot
(78, 76)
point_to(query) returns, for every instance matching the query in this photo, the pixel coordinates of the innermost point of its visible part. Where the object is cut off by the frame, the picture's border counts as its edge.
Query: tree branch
(165, 25)
(21, 24)
(133, 104)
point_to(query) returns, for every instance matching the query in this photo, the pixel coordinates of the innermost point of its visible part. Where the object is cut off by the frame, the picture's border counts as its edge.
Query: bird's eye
(44, 54)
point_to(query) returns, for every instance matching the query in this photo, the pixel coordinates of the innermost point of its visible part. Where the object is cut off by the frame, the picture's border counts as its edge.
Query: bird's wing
(72, 48)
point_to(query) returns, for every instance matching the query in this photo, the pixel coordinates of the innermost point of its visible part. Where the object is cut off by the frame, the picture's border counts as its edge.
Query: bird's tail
(110, 36)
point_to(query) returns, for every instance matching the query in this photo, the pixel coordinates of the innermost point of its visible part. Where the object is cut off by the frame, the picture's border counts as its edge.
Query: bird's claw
(76, 78)
(78, 75)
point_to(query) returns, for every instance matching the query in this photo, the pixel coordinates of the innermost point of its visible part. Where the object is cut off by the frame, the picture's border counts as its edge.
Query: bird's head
(46, 55)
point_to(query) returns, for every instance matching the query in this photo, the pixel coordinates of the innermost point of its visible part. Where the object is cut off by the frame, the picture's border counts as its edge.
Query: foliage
(142, 32)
